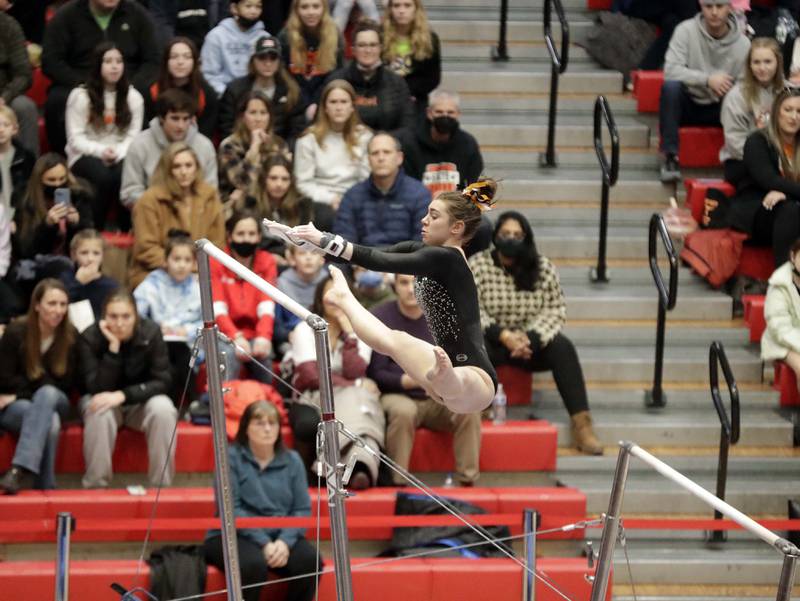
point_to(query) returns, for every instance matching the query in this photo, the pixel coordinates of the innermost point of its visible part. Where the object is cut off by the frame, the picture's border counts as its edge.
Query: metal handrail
(667, 296)
(500, 52)
(559, 62)
(610, 171)
(729, 426)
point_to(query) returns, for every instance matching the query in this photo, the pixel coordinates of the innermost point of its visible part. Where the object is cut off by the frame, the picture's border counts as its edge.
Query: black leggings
(778, 228)
(106, 180)
(302, 560)
(560, 357)
(179, 356)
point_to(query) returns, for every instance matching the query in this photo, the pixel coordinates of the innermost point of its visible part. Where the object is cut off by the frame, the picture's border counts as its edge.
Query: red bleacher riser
(598, 4)
(786, 383)
(38, 90)
(516, 384)
(418, 579)
(700, 146)
(755, 262)
(647, 90)
(754, 315)
(514, 446)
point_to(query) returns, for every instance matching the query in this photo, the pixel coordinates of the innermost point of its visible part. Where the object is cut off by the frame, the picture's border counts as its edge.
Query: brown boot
(583, 436)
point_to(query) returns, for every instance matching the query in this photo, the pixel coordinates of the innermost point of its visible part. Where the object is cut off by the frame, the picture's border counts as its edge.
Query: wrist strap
(333, 244)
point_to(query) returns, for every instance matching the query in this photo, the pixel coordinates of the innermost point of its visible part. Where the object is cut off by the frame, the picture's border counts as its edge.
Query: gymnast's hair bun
(482, 193)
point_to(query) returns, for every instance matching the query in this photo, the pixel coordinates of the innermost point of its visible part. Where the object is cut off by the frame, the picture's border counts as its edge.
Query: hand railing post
(610, 171)
(655, 398)
(559, 63)
(529, 525)
(500, 52)
(729, 427)
(64, 524)
(786, 583)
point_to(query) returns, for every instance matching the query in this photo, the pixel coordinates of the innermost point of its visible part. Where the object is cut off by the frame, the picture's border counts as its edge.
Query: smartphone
(62, 196)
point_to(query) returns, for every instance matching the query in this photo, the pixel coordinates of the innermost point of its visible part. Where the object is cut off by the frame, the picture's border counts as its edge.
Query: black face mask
(510, 247)
(246, 23)
(50, 191)
(244, 249)
(446, 126)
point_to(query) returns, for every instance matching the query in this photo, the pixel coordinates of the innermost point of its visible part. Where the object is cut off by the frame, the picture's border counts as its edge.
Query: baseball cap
(267, 45)
(708, 2)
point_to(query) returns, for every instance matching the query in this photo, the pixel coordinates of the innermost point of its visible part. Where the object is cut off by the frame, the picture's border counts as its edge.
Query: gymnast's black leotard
(446, 293)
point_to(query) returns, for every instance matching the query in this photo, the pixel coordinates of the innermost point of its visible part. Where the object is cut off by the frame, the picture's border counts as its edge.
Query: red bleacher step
(399, 580)
(786, 383)
(647, 90)
(598, 4)
(754, 315)
(516, 383)
(700, 146)
(514, 446)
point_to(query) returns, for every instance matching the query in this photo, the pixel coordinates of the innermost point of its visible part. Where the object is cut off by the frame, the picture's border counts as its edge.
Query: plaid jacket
(236, 172)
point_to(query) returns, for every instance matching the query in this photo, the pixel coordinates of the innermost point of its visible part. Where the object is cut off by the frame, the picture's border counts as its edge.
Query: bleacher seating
(786, 383)
(598, 4)
(516, 384)
(754, 315)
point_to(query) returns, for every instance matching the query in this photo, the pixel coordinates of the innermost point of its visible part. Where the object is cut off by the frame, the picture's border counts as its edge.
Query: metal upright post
(787, 578)
(63, 532)
(500, 52)
(230, 550)
(611, 526)
(333, 478)
(529, 525)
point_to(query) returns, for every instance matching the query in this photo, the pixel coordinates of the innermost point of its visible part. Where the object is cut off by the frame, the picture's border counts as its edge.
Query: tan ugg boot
(583, 436)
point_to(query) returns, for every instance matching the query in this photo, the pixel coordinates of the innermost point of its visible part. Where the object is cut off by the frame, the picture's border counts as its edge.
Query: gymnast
(456, 372)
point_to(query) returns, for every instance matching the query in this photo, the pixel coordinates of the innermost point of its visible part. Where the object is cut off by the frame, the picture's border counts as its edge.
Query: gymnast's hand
(308, 232)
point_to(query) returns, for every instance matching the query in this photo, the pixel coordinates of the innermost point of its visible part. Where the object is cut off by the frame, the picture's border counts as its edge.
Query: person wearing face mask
(522, 314)
(179, 199)
(383, 100)
(781, 338)
(244, 314)
(227, 48)
(438, 152)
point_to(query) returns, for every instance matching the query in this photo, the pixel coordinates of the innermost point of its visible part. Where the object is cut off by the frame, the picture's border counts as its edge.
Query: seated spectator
(342, 9)
(301, 278)
(780, 341)
(746, 107)
(371, 288)
(170, 296)
(278, 197)
(45, 224)
(357, 405)
(267, 480)
(244, 314)
(411, 49)
(227, 48)
(188, 19)
(765, 205)
(382, 96)
(405, 401)
(243, 154)
(331, 156)
(705, 56)
(438, 152)
(312, 48)
(15, 79)
(178, 199)
(522, 314)
(16, 162)
(37, 374)
(266, 74)
(125, 367)
(104, 115)
(180, 68)
(174, 123)
(87, 281)
(68, 49)
(666, 15)
(387, 207)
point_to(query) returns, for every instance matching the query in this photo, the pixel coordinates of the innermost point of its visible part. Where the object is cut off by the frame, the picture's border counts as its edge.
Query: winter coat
(16, 75)
(169, 302)
(782, 314)
(157, 213)
(739, 120)
(21, 168)
(239, 306)
(237, 172)
(207, 106)
(95, 291)
(72, 35)
(368, 216)
(145, 152)
(693, 55)
(309, 77)
(441, 167)
(422, 77)
(287, 121)
(383, 102)
(187, 18)
(140, 369)
(226, 52)
(13, 376)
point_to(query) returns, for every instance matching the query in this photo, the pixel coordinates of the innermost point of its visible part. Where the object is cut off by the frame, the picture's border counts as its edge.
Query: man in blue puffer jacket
(387, 207)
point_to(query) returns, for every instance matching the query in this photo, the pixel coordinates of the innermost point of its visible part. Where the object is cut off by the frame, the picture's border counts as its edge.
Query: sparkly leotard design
(446, 292)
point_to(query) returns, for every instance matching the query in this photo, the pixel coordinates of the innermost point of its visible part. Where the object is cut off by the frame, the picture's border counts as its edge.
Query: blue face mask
(369, 279)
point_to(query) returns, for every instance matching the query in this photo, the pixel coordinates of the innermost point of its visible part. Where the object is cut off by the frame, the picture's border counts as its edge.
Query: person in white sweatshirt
(706, 56)
(781, 338)
(103, 117)
(331, 156)
(227, 48)
(747, 106)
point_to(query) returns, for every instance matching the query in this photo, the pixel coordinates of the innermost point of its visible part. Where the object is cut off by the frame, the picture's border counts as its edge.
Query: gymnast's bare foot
(339, 293)
(441, 366)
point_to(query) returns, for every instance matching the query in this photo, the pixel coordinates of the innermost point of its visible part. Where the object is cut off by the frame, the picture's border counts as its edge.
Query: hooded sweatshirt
(694, 55)
(740, 119)
(782, 314)
(290, 283)
(145, 152)
(226, 52)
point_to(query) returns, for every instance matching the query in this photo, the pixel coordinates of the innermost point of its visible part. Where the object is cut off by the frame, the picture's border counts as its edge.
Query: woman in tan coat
(178, 199)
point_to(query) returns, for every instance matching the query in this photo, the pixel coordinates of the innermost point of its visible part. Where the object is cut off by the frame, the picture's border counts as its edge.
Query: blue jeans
(38, 423)
(676, 109)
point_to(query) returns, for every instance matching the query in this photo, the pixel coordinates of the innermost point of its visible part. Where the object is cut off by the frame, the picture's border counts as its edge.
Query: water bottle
(448, 481)
(499, 406)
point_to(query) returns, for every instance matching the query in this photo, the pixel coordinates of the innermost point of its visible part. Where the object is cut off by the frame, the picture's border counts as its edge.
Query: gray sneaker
(670, 170)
